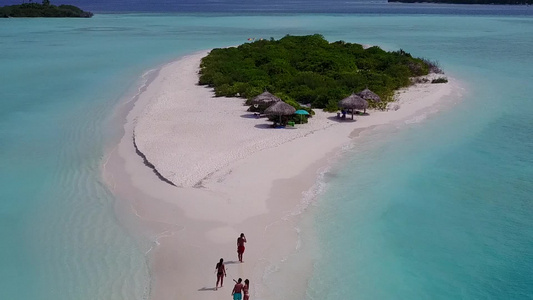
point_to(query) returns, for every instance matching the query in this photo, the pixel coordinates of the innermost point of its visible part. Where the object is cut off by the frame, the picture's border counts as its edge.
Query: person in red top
(220, 269)
(240, 245)
(246, 290)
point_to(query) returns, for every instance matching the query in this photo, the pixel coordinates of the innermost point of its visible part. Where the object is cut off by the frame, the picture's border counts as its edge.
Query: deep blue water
(289, 6)
(432, 210)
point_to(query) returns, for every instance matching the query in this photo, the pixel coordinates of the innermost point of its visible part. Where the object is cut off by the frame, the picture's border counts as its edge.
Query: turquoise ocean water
(439, 209)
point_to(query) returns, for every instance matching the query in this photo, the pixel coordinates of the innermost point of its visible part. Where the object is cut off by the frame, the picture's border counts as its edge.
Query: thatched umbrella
(265, 99)
(369, 95)
(280, 109)
(353, 102)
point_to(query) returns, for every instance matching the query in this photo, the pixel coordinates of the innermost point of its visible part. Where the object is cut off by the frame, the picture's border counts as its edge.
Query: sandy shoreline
(233, 174)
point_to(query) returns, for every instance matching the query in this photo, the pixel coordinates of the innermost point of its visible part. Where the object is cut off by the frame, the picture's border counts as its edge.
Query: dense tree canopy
(308, 70)
(506, 2)
(35, 10)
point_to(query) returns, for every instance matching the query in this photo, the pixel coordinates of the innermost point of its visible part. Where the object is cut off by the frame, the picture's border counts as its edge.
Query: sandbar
(220, 172)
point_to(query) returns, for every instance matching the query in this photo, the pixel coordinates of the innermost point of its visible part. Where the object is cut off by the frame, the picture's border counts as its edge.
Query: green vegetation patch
(504, 2)
(440, 80)
(44, 10)
(309, 70)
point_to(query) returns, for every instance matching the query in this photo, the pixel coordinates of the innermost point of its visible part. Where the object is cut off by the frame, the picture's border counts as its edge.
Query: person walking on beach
(237, 290)
(240, 245)
(220, 269)
(246, 290)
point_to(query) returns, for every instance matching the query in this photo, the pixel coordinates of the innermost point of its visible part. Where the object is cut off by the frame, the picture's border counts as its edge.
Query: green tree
(309, 70)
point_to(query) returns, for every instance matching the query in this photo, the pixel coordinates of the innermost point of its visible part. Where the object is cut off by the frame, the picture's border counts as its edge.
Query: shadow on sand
(264, 126)
(204, 289)
(252, 116)
(340, 120)
(269, 126)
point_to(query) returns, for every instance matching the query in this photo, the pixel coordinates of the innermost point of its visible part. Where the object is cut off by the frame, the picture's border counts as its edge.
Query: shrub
(433, 66)
(36, 10)
(309, 69)
(440, 80)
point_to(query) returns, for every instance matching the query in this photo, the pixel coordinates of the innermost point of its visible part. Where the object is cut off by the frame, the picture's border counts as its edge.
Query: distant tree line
(309, 70)
(43, 10)
(506, 2)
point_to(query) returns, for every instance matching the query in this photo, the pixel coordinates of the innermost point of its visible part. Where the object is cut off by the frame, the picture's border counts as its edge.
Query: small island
(501, 2)
(309, 71)
(44, 10)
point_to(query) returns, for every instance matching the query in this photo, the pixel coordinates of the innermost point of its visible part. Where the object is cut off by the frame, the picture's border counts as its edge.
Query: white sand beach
(232, 173)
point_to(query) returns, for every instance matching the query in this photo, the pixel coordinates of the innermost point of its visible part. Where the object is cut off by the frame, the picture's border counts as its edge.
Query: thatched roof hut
(280, 109)
(353, 102)
(369, 95)
(265, 98)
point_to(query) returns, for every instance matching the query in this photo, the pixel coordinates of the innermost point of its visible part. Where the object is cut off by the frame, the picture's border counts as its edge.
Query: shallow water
(434, 210)
(440, 209)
